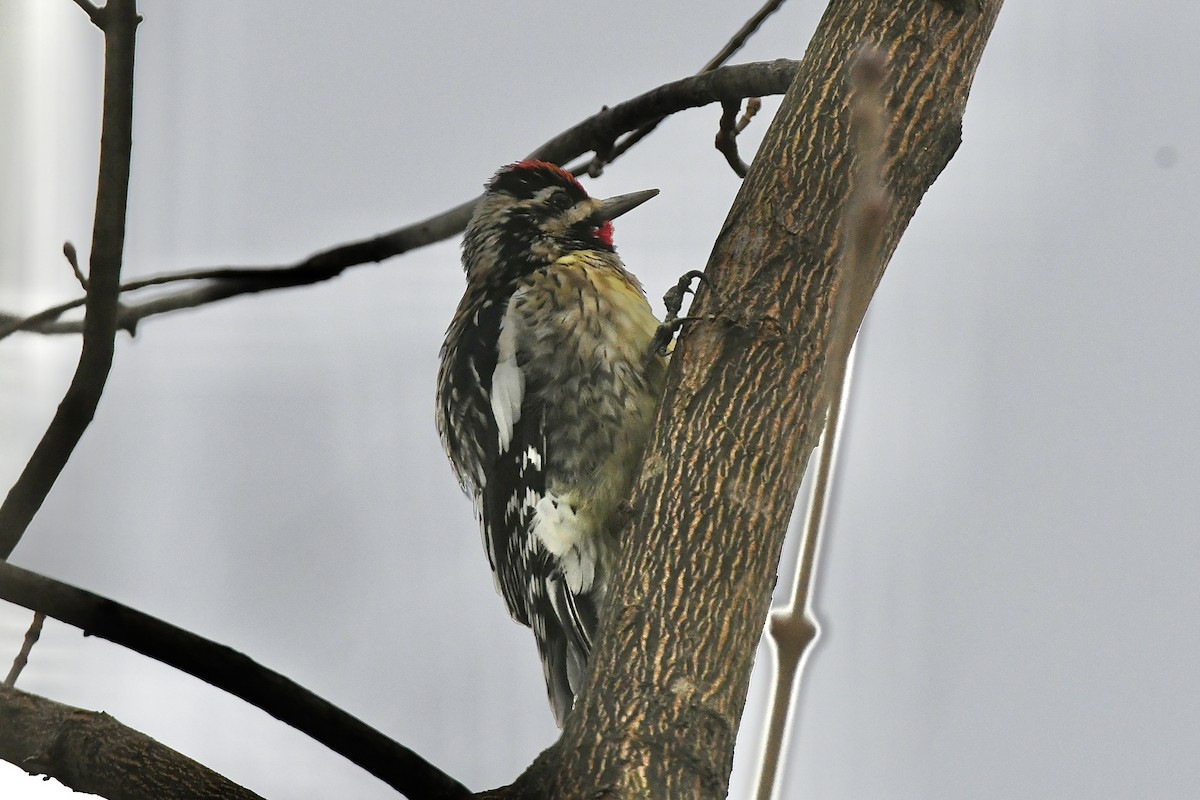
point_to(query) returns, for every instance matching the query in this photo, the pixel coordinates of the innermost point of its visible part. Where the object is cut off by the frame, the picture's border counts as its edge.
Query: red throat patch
(604, 232)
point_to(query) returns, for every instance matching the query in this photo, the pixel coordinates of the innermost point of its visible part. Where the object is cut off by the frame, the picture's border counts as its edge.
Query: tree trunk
(743, 410)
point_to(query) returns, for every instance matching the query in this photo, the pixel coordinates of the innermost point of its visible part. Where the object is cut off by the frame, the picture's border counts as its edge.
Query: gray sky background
(1009, 592)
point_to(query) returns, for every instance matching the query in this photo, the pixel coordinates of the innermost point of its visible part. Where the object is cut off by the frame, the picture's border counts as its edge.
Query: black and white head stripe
(526, 179)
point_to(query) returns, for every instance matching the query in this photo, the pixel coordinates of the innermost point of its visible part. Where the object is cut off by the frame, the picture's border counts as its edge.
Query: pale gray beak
(614, 207)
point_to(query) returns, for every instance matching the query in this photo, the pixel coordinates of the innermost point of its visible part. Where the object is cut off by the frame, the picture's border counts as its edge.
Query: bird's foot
(661, 344)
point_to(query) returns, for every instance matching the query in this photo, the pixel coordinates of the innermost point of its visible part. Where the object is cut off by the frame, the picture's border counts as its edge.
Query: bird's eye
(561, 200)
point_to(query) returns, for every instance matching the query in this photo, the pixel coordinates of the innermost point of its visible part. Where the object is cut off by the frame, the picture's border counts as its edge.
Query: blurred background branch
(118, 20)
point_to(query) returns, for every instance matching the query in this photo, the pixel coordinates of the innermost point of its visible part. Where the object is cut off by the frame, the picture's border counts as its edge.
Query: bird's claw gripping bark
(673, 299)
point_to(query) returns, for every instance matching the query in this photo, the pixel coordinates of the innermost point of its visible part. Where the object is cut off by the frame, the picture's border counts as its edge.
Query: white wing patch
(508, 385)
(555, 524)
(560, 531)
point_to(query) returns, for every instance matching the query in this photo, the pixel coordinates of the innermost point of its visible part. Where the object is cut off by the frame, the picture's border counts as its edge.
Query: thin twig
(43, 321)
(729, 128)
(73, 259)
(234, 673)
(78, 406)
(739, 39)
(793, 628)
(31, 637)
(753, 106)
(596, 165)
(726, 141)
(727, 83)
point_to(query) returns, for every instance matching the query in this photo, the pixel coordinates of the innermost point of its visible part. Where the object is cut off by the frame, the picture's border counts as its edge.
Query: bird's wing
(515, 480)
(541, 552)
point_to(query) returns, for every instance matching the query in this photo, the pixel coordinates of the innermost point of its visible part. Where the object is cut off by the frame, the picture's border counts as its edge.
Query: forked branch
(738, 40)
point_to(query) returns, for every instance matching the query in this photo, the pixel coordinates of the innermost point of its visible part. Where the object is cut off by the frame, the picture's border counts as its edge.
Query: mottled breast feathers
(566, 394)
(546, 392)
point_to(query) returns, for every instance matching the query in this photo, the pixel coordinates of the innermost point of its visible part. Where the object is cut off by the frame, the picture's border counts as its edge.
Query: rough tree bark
(743, 410)
(91, 752)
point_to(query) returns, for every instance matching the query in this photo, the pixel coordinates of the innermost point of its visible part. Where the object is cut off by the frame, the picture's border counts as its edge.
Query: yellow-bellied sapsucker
(548, 383)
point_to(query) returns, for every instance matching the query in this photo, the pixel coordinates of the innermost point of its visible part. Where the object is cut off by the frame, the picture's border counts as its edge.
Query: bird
(550, 376)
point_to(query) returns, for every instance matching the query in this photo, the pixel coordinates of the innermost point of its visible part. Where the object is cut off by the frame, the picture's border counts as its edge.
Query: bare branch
(78, 406)
(31, 637)
(725, 84)
(748, 29)
(234, 673)
(91, 752)
(611, 154)
(43, 321)
(729, 128)
(94, 13)
(726, 141)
